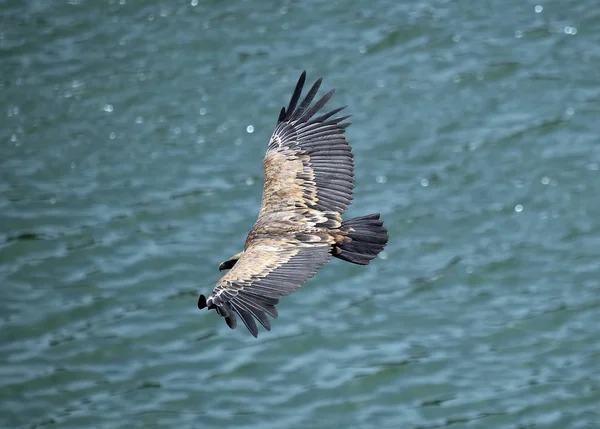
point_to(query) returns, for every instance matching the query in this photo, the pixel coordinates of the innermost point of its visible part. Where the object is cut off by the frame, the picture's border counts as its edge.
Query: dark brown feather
(308, 185)
(269, 269)
(301, 155)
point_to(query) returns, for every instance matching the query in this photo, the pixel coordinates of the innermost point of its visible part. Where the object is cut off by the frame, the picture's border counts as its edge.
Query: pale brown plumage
(308, 185)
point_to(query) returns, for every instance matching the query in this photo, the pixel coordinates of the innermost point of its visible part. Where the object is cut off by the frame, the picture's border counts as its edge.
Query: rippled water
(130, 166)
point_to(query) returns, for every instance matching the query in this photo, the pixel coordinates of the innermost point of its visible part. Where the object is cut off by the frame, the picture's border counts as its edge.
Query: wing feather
(294, 99)
(299, 112)
(269, 269)
(303, 153)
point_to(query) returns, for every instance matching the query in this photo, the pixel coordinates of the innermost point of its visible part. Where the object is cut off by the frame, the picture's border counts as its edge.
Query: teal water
(132, 136)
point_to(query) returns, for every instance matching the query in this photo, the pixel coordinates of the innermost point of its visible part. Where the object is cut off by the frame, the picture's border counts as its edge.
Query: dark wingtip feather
(287, 113)
(317, 106)
(328, 115)
(256, 308)
(307, 100)
(248, 320)
(340, 119)
(202, 302)
(302, 112)
(302, 77)
(231, 321)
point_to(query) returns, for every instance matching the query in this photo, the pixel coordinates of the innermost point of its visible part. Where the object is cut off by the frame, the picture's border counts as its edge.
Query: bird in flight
(308, 184)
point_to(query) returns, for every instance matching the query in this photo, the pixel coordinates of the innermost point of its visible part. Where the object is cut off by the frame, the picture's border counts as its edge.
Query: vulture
(308, 184)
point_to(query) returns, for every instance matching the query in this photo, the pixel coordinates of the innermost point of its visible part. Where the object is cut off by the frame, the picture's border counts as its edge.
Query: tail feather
(367, 237)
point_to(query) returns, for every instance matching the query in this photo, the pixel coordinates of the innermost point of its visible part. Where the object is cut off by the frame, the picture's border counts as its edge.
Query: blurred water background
(131, 141)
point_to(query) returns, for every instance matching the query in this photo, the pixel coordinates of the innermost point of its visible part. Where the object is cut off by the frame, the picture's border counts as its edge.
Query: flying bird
(308, 184)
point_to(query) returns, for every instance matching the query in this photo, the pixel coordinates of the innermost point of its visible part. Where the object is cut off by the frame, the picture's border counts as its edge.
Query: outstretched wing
(308, 163)
(269, 269)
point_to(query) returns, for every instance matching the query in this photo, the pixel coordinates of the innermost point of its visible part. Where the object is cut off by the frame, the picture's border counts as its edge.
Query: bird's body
(308, 185)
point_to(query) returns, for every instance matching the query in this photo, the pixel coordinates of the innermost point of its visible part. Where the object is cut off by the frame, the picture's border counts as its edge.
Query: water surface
(130, 166)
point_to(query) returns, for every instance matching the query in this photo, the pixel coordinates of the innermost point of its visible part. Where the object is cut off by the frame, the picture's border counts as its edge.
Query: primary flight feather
(308, 185)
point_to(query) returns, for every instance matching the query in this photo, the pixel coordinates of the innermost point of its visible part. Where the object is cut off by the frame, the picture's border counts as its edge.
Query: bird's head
(202, 302)
(228, 264)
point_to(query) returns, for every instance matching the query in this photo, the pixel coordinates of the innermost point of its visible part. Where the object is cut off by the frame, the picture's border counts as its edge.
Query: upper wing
(269, 269)
(308, 163)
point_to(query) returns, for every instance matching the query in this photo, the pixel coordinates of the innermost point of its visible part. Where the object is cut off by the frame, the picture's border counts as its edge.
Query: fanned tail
(367, 236)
